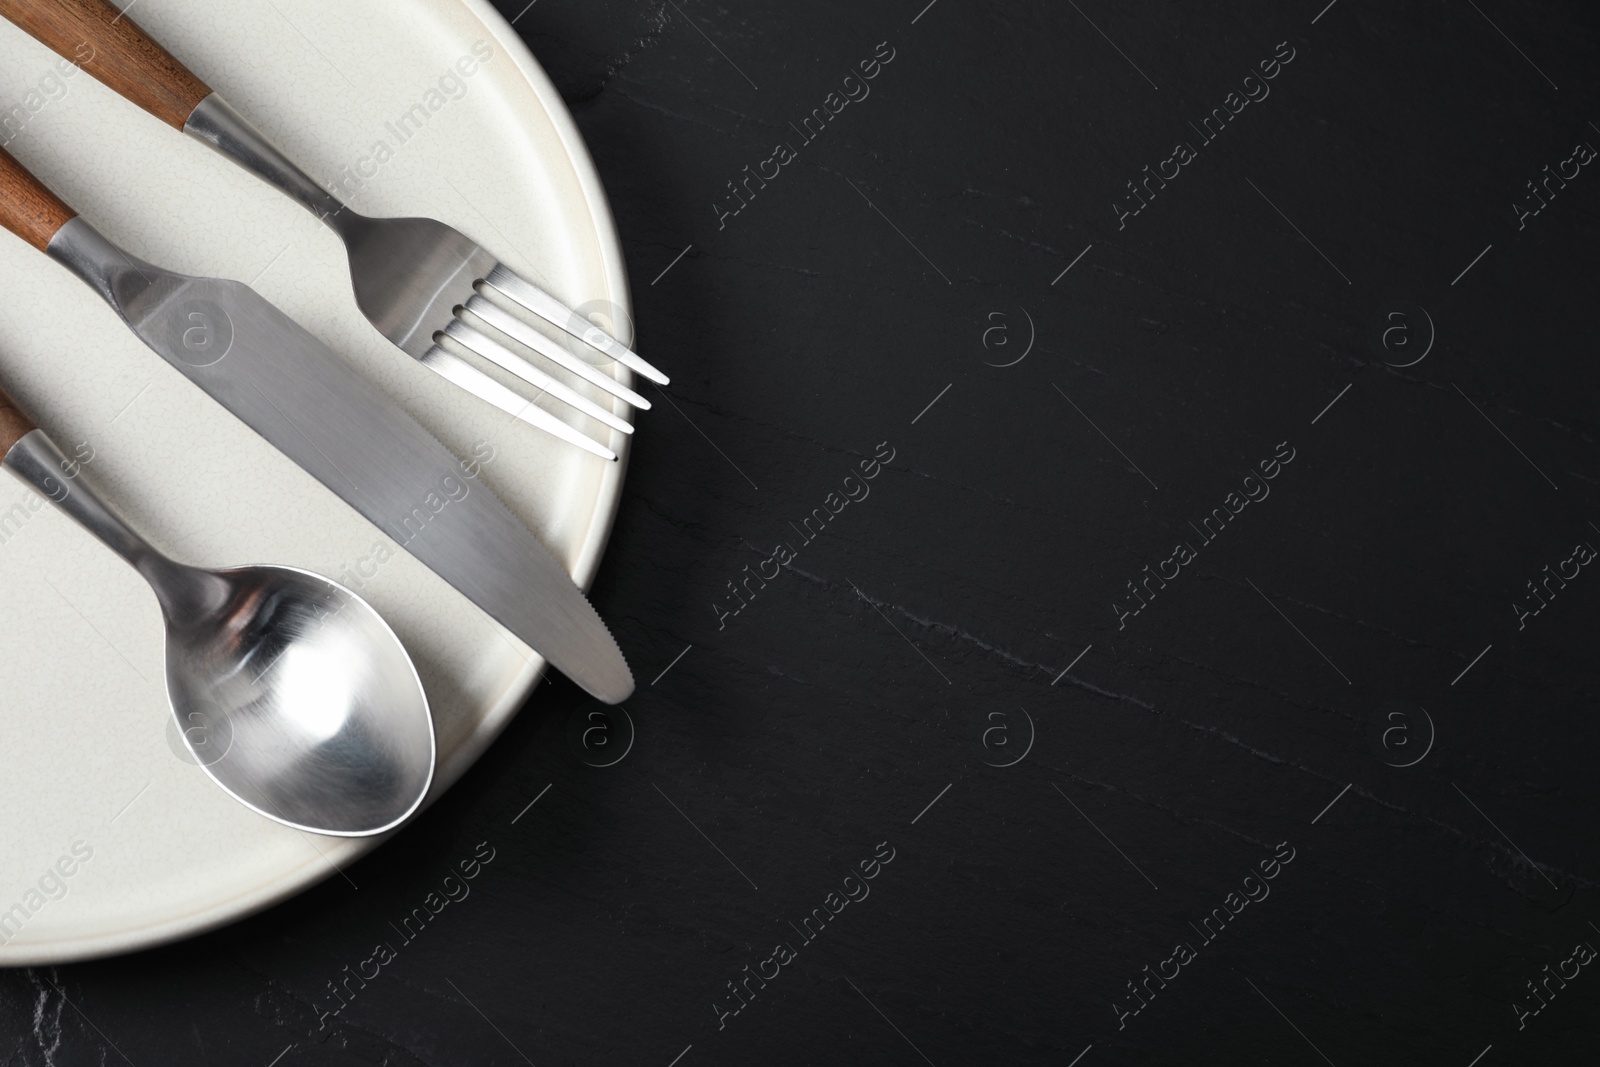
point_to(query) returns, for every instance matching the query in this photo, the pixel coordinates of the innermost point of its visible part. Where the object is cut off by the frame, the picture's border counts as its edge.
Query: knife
(341, 429)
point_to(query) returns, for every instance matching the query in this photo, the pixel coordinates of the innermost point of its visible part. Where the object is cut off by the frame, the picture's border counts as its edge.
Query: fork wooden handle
(14, 425)
(100, 39)
(27, 206)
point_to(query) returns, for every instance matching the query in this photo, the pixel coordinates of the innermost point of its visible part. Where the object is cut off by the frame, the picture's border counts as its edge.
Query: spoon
(316, 709)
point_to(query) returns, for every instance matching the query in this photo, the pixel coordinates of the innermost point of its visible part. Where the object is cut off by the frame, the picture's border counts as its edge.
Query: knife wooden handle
(27, 206)
(100, 39)
(14, 425)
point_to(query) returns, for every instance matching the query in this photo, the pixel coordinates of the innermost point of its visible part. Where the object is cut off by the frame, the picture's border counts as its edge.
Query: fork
(417, 280)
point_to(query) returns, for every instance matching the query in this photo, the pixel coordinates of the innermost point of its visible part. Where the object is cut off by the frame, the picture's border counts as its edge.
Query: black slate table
(1109, 582)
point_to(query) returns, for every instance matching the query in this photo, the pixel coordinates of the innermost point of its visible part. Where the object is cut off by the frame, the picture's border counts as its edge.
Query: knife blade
(313, 406)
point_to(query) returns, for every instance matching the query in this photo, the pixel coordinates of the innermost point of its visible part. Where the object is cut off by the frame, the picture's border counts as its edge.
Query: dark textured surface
(907, 647)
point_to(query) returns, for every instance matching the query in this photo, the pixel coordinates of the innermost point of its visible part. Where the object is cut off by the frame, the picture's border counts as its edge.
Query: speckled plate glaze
(113, 842)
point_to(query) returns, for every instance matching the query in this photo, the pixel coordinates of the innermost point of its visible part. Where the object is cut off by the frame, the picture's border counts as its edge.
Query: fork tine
(562, 317)
(523, 333)
(498, 354)
(479, 384)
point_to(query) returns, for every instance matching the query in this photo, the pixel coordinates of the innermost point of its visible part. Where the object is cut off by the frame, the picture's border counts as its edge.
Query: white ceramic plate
(91, 783)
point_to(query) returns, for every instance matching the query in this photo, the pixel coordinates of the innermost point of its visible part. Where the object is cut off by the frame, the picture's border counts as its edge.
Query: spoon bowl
(289, 690)
(297, 698)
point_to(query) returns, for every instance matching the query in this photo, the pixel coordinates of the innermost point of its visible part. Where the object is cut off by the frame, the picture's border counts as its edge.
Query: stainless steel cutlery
(416, 279)
(326, 724)
(315, 408)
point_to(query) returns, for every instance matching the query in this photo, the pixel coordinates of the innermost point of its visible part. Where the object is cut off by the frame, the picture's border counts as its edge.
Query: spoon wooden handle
(14, 425)
(102, 40)
(27, 206)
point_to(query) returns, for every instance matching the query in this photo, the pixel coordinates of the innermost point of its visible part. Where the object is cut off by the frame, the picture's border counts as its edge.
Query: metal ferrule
(183, 591)
(217, 124)
(37, 461)
(107, 269)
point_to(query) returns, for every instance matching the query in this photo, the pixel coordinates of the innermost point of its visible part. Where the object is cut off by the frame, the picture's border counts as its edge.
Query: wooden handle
(27, 206)
(100, 39)
(14, 425)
